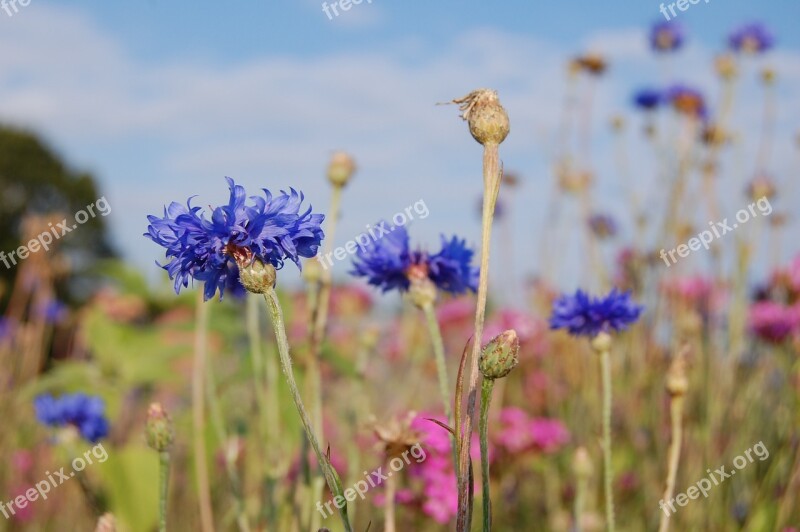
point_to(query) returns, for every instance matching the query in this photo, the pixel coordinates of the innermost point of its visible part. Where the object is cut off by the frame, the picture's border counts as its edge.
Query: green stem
(198, 415)
(441, 365)
(605, 363)
(483, 429)
(276, 314)
(163, 482)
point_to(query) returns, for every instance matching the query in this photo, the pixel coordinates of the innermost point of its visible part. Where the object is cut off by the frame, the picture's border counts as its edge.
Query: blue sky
(161, 99)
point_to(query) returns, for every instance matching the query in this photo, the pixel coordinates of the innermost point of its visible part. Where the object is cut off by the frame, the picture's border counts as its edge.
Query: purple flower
(84, 412)
(388, 263)
(753, 38)
(666, 36)
(602, 225)
(269, 229)
(687, 100)
(583, 315)
(648, 99)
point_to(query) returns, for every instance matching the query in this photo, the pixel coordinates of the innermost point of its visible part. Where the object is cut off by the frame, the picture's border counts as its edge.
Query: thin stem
(163, 477)
(276, 314)
(198, 415)
(491, 182)
(441, 364)
(391, 489)
(676, 416)
(218, 423)
(605, 363)
(483, 429)
(319, 324)
(580, 497)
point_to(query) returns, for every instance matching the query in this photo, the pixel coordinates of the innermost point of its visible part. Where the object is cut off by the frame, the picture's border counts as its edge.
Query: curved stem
(483, 430)
(198, 415)
(676, 415)
(276, 314)
(608, 474)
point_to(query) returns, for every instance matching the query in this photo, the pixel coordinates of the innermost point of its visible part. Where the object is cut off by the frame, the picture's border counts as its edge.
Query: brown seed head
(487, 119)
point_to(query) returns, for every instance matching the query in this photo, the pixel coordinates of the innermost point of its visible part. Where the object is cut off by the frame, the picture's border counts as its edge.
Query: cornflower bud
(257, 277)
(500, 355)
(159, 428)
(341, 169)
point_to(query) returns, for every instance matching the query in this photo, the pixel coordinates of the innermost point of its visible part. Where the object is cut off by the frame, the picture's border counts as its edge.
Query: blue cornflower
(753, 38)
(583, 315)
(389, 263)
(648, 99)
(84, 412)
(666, 36)
(269, 229)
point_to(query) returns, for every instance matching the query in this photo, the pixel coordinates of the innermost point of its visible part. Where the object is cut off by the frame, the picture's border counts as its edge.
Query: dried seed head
(726, 66)
(257, 277)
(487, 119)
(396, 435)
(312, 271)
(500, 355)
(768, 76)
(159, 428)
(677, 381)
(341, 169)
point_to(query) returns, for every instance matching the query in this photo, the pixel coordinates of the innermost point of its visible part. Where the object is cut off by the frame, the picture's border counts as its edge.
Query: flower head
(687, 100)
(270, 229)
(84, 412)
(752, 38)
(666, 36)
(773, 322)
(583, 315)
(648, 99)
(390, 264)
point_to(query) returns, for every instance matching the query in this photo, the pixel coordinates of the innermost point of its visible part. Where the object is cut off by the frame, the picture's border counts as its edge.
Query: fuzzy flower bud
(500, 355)
(341, 169)
(159, 428)
(601, 343)
(421, 291)
(312, 271)
(582, 464)
(257, 277)
(106, 523)
(487, 119)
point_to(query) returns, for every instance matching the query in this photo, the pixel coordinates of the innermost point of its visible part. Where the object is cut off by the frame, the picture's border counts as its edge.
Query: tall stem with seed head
(677, 386)
(489, 125)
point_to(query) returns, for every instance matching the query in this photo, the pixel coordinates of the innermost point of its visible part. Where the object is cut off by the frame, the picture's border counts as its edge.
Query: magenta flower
(520, 433)
(774, 322)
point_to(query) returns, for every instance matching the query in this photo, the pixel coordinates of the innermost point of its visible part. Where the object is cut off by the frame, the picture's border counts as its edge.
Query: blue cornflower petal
(753, 38)
(450, 269)
(385, 263)
(84, 412)
(270, 229)
(583, 315)
(648, 99)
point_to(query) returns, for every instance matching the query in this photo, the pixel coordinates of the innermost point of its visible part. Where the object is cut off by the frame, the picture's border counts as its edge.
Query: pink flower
(520, 433)
(440, 494)
(773, 322)
(531, 331)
